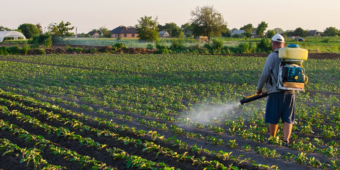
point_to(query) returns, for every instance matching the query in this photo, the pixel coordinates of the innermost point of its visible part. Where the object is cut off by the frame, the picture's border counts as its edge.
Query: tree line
(205, 21)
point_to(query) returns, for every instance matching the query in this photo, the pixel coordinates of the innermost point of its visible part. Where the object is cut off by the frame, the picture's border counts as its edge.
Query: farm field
(108, 111)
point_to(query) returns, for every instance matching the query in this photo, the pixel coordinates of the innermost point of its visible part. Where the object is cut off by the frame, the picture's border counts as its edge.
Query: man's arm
(265, 74)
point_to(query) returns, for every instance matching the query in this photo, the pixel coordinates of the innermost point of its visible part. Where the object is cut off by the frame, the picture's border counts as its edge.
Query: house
(124, 32)
(164, 34)
(238, 32)
(95, 35)
(314, 33)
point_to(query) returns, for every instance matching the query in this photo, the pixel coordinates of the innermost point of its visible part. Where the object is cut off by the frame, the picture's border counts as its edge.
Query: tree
(175, 32)
(300, 32)
(29, 30)
(104, 32)
(167, 27)
(147, 28)
(270, 33)
(93, 31)
(207, 21)
(331, 31)
(278, 30)
(187, 27)
(39, 27)
(261, 28)
(248, 28)
(2, 28)
(227, 33)
(234, 29)
(61, 29)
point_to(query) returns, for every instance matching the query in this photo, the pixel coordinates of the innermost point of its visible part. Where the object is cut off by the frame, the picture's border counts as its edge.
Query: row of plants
(126, 139)
(329, 152)
(27, 155)
(216, 129)
(230, 143)
(116, 153)
(41, 142)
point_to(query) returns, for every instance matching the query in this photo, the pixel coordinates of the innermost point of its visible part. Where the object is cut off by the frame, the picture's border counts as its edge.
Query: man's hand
(259, 92)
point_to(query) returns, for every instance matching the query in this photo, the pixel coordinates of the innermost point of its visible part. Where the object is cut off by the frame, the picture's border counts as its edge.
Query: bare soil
(258, 158)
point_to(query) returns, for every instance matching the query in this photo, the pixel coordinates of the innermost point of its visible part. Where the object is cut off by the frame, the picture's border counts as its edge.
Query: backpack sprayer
(291, 72)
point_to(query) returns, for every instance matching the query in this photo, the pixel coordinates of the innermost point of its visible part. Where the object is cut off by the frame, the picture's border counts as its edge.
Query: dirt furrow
(100, 155)
(238, 151)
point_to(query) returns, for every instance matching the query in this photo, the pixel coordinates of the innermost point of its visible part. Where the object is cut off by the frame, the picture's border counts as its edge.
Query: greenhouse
(11, 34)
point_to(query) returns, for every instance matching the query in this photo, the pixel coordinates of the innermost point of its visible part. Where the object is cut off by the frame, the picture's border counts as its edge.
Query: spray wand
(253, 97)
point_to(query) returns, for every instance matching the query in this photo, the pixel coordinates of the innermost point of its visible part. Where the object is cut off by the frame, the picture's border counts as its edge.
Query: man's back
(270, 73)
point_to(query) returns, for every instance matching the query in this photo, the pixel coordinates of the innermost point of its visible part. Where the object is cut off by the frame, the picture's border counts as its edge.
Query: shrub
(114, 49)
(177, 44)
(68, 48)
(208, 46)
(149, 46)
(48, 42)
(94, 50)
(78, 49)
(119, 45)
(14, 50)
(25, 48)
(264, 45)
(244, 48)
(217, 43)
(161, 48)
(35, 44)
(41, 51)
(326, 40)
(236, 36)
(3, 51)
(41, 38)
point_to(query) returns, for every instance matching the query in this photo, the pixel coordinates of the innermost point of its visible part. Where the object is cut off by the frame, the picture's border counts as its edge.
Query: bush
(14, 50)
(68, 48)
(35, 44)
(208, 46)
(217, 44)
(3, 51)
(177, 44)
(236, 36)
(161, 48)
(114, 49)
(25, 48)
(41, 51)
(78, 49)
(93, 51)
(265, 45)
(48, 42)
(327, 40)
(119, 45)
(244, 48)
(149, 46)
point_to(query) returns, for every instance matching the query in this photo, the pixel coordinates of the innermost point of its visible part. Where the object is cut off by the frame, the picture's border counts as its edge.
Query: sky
(89, 14)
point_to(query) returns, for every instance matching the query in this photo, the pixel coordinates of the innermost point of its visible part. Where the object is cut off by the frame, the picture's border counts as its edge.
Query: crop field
(108, 111)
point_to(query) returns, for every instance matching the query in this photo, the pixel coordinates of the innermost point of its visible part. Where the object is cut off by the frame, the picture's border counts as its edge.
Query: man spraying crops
(280, 103)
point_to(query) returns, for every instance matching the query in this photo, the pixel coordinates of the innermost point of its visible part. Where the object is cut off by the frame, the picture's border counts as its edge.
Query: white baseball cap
(278, 38)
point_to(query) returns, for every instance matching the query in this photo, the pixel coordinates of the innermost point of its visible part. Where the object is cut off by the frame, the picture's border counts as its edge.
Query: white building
(12, 34)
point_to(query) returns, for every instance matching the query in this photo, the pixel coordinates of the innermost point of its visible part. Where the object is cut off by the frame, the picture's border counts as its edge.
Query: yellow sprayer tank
(293, 52)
